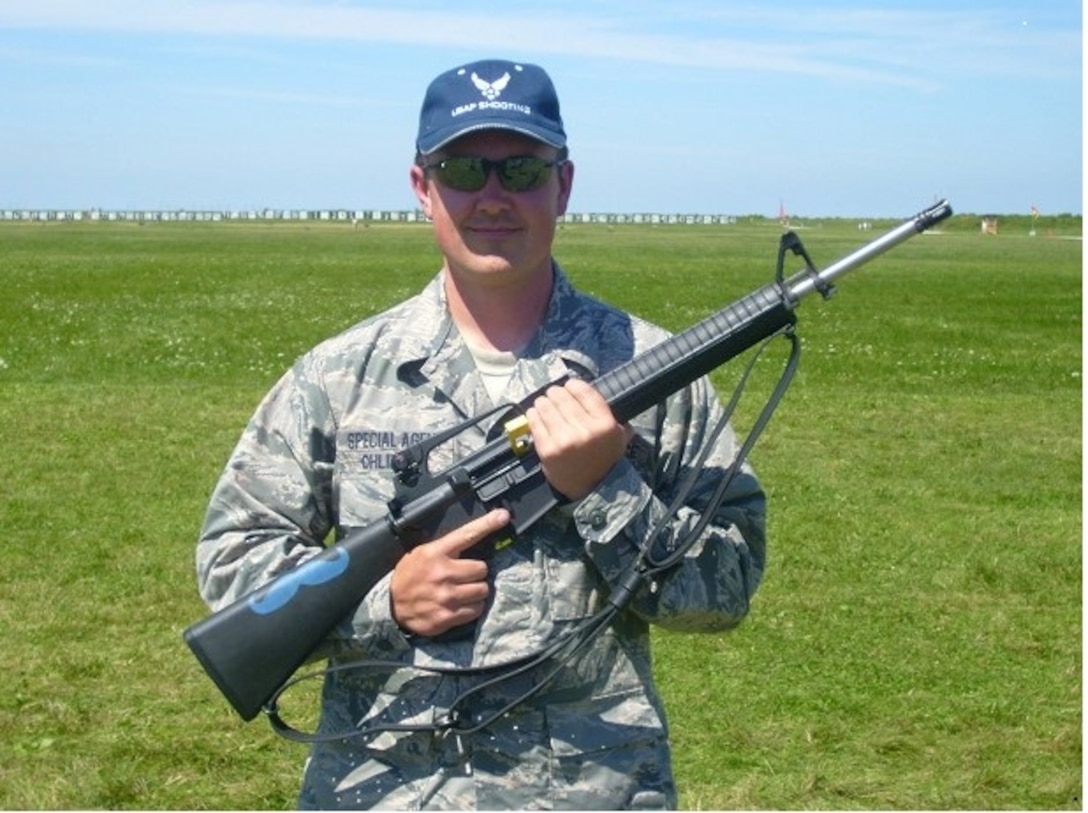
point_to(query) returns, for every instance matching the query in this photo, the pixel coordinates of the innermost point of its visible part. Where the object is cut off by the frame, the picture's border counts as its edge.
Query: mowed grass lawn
(917, 640)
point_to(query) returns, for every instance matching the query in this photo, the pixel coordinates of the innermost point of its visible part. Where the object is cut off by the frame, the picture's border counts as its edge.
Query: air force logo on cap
(491, 94)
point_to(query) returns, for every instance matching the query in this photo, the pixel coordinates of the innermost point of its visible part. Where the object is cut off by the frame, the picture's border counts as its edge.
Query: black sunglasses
(520, 173)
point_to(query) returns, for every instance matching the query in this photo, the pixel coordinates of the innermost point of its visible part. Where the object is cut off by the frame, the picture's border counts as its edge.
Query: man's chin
(491, 262)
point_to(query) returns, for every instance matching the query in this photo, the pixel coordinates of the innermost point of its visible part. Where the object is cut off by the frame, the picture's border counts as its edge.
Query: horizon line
(388, 215)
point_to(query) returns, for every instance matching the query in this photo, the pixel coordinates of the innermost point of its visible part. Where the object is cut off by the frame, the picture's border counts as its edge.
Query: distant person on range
(499, 322)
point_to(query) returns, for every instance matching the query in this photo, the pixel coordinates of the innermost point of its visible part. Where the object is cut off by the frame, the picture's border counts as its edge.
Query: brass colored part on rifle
(517, 432)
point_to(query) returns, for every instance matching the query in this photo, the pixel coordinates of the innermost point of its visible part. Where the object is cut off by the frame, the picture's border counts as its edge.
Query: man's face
(493, 235)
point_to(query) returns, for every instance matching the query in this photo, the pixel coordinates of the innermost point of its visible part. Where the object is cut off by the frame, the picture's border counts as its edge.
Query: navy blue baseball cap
(492, 94)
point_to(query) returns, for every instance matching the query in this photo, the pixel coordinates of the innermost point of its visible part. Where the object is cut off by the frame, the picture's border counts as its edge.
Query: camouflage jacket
(315, 459)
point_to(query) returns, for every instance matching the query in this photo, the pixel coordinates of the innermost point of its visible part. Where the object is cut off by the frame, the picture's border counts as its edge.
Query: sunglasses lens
(462, 173)
(523, 174)
(469, 174)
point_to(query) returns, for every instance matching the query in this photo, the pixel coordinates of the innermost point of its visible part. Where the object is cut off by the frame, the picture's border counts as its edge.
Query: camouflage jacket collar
(440, 354)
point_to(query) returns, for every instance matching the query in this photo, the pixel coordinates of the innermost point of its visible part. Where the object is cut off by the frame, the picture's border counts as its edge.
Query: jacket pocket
(603, 723)
(610, 752)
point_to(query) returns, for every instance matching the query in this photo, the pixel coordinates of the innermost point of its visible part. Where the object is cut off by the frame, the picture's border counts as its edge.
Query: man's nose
(493, 195)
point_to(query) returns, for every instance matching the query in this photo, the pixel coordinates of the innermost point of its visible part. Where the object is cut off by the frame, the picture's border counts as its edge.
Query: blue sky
(833, 107)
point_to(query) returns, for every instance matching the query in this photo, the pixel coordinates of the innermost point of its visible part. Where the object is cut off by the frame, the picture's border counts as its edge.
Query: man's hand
(433, 589)
(576, 437)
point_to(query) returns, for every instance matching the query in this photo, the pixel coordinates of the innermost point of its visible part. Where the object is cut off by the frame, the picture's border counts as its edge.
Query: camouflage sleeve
(711, 587)
(271, 509)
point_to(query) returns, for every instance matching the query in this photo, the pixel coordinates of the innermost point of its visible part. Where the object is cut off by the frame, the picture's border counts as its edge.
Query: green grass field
(916, 643)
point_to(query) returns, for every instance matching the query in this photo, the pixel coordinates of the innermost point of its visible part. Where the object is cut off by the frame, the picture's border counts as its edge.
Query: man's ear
(422, 189)
(566, 185)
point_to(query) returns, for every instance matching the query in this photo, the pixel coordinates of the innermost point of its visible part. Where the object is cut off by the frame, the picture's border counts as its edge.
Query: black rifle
(251, 650)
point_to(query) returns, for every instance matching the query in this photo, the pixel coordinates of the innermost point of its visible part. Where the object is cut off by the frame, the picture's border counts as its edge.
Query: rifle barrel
(805, 282)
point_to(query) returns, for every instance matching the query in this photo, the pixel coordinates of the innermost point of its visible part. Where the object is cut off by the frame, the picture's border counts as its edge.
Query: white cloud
(46, 57)
(907, 46)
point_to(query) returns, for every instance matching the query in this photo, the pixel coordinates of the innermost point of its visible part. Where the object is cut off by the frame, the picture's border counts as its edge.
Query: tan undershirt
(495, 367)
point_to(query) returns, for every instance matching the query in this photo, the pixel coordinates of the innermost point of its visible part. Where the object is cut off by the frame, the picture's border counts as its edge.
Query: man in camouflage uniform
(499, 322)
